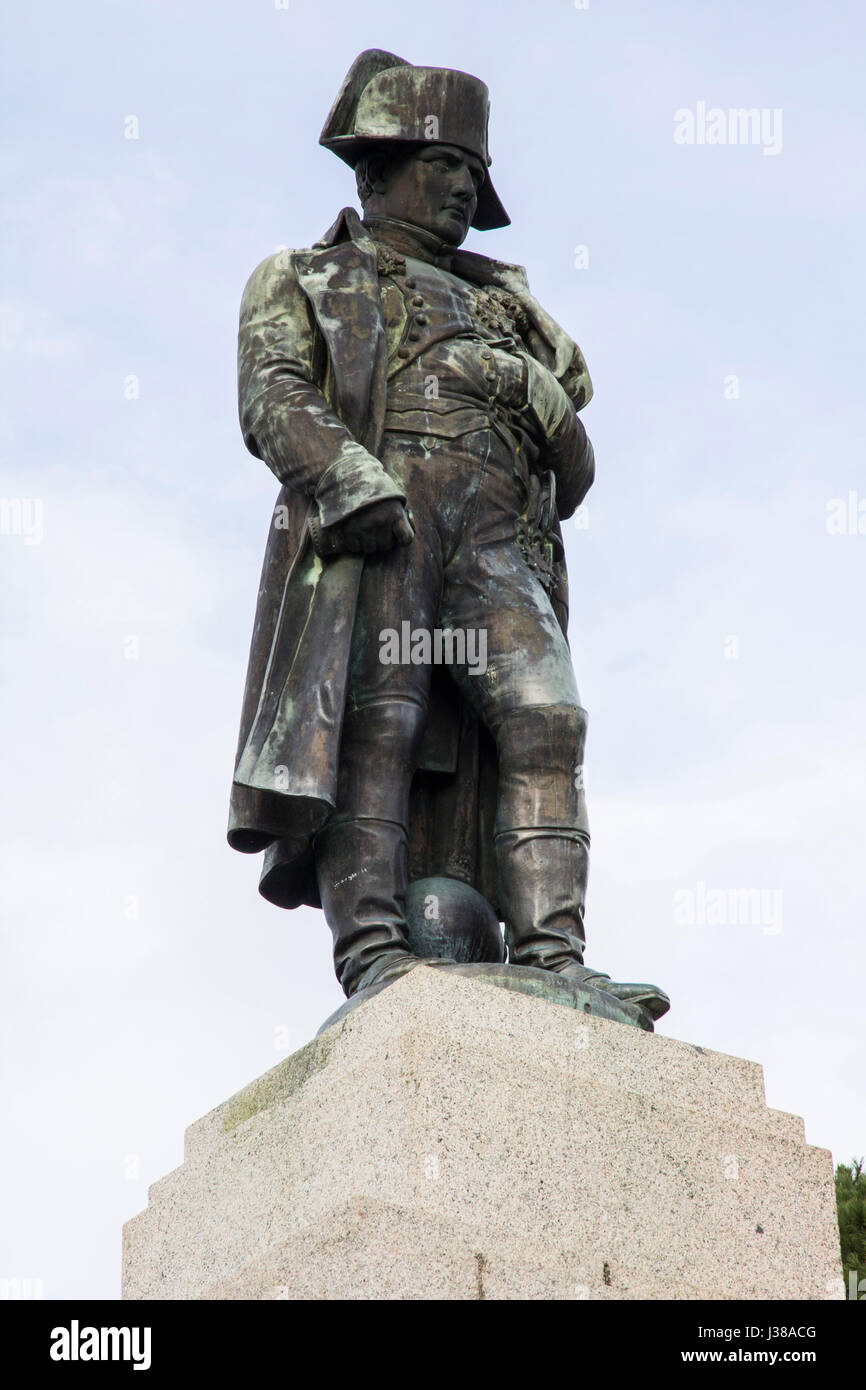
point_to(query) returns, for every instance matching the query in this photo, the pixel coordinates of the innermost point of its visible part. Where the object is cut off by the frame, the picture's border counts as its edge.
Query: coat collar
(347, 226)
(409, 240)
(469, 265)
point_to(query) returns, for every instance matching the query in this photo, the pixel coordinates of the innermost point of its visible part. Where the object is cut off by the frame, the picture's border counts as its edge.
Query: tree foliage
(851, 1206)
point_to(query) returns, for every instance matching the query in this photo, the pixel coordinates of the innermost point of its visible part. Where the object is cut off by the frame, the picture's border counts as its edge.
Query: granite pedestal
(450, 1139)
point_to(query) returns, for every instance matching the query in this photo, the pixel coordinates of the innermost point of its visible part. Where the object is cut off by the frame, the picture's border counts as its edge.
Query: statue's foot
(649, 997)
(391, 965)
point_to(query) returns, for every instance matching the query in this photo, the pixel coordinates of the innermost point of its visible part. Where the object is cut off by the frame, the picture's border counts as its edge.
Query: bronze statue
(411, 745)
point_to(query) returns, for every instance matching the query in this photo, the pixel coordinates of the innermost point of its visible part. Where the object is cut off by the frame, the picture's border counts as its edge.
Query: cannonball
(448, 918)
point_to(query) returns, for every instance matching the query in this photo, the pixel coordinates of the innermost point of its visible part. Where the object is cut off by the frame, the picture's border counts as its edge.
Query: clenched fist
(377, 527)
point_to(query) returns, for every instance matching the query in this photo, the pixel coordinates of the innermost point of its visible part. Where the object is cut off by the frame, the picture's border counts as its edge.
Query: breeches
(464, 571)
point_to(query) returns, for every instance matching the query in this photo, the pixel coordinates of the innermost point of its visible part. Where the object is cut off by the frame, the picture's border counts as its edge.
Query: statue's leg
(361, 853)
(542, 840)
(542, 847)
(528, 698)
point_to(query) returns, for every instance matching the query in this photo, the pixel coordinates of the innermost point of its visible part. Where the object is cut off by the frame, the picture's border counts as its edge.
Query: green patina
(278, 1084)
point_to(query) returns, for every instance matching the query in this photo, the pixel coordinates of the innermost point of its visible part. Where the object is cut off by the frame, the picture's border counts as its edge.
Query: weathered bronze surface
(411, 747)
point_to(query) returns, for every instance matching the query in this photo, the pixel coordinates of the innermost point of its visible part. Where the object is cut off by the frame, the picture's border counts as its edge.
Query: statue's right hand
(546, 401)
(377, 527)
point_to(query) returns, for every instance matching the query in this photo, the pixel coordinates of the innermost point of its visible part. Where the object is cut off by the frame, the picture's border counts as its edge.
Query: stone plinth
(453, 1140)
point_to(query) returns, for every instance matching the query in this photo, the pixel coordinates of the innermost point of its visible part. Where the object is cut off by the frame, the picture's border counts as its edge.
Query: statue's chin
(446, 229)
(453, 231)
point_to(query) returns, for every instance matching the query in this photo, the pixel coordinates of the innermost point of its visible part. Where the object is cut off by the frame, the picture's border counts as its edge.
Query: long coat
(312, 371)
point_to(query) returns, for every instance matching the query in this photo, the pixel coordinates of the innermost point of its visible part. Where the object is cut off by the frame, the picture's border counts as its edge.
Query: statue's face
(435, 188)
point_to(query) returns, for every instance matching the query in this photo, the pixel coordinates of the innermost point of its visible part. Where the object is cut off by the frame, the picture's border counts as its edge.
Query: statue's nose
(464, 186)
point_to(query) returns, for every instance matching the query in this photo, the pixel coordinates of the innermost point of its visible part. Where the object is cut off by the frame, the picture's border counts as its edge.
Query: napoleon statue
(411, 745)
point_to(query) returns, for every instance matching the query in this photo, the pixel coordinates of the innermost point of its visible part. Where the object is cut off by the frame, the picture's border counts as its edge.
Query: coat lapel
(340, 279)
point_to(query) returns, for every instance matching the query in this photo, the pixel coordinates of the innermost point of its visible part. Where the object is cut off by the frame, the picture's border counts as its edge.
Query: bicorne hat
(385, 99)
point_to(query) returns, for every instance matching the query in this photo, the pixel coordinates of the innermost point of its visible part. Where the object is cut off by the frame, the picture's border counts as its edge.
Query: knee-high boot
(542, 877)
(363, 876)
(542, 848)
(362, 853)
(542, 834)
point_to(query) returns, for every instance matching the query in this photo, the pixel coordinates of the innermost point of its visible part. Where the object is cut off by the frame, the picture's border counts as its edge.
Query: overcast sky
(156, 152)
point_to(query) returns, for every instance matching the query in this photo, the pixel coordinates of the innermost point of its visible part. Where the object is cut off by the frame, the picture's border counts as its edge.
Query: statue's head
(417, 139)
(434, 187)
